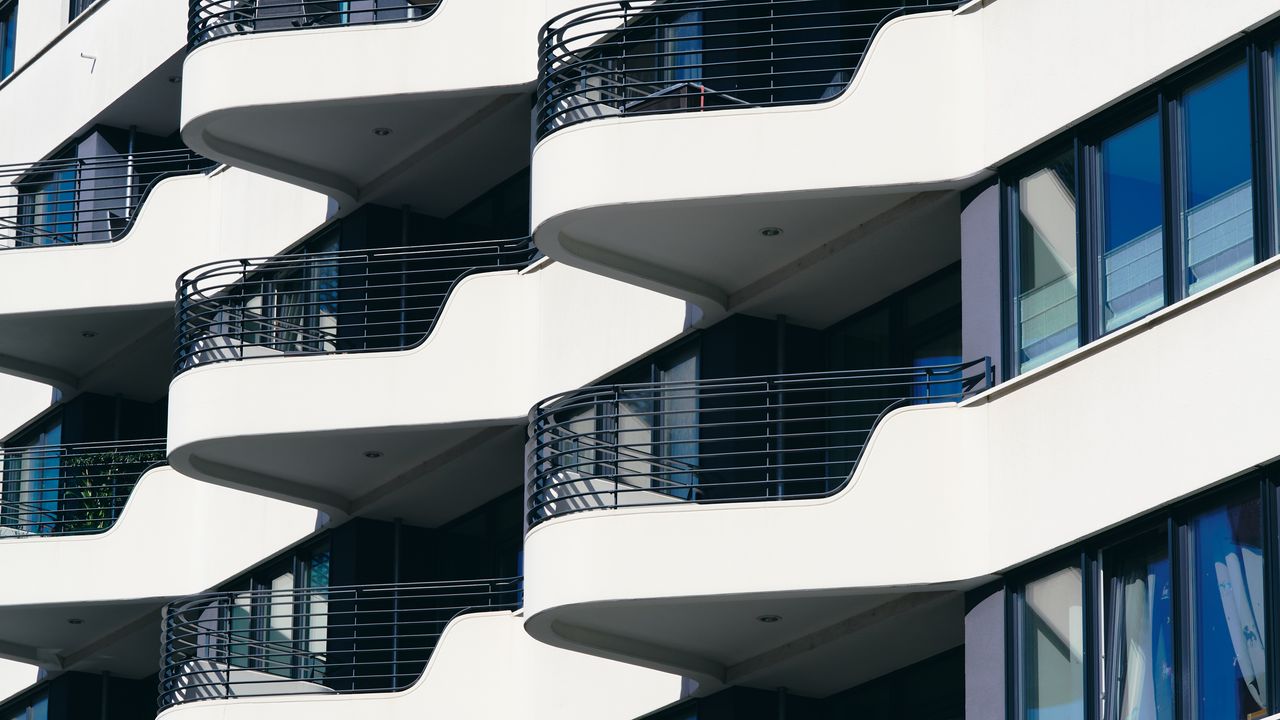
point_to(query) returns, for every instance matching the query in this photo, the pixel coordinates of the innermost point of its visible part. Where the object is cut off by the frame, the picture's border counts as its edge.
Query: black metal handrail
(321, 640)
(83, 200)
(772, 437)
(612, 58)
(325, 303)
(74, 489)
(212, 19)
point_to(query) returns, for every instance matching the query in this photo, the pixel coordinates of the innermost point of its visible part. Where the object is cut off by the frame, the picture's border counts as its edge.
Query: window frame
(1259, 52)
(1175, 522)
(8, 24)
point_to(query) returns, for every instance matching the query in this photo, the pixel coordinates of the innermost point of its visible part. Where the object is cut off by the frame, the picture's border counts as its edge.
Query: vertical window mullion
(1092, 616)
(1173, 159)
(1088, 250)
(1271, 581)
(1262, 134)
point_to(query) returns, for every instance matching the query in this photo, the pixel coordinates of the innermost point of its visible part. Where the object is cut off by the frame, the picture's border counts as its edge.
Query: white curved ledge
(945, 496)
(939, 100)
(301, 105)
(171, 540)
(504, 340)
(122, 290)
(484, 667)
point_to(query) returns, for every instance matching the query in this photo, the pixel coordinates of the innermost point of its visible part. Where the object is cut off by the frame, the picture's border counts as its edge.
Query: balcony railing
(83, 200)
(314, 641)
(71, 489)
(212, 19)
(324, 303)
(614, 58)
(771, 437)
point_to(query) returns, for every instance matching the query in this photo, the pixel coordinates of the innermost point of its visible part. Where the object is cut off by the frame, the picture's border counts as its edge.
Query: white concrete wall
(940, 98)
(175, 537)
(485, 667)
(59, 92)
(184, 221)
(504, 340)
(1176, 403)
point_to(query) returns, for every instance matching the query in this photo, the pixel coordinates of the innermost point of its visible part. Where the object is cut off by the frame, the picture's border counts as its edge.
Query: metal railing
(314, 641)
(75, 489)
(323, 303)
(83, 200)
(614, 58)
(212, 19)
(721, 440)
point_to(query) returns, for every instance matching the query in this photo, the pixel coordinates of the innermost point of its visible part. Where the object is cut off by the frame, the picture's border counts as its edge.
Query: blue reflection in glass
(1229, 618)
(1139, 633)
(1218, 211)
(1132, 202)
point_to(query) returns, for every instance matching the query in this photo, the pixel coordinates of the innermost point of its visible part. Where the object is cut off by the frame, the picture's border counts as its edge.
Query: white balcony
(484, 667)
(353, 431)
(297, 93)
(943, 498)
(99, 316)
(690, 200)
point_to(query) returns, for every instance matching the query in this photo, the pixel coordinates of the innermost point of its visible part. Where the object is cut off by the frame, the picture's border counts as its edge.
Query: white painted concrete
(16, 677)
(70, 73)
(947, 495)
(485, 667)
(940, 99)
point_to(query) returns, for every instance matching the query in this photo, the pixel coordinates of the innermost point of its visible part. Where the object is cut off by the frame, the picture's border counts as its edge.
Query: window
(1155, 199)
(1177, 621)
(1045, 300)
(35, 709)
(77, 7)
(8, 36)
(1217, 196)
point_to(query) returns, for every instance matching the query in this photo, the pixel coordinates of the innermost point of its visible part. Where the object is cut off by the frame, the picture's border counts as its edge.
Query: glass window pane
(1046, 245)
(1229, 660)
(1053, 646)
(1132, 232)
(1218, 204)
(1139, 632)
(8, 36)
(40, 709)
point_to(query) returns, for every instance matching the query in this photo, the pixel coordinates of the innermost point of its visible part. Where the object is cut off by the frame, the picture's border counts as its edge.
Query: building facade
(675, 360)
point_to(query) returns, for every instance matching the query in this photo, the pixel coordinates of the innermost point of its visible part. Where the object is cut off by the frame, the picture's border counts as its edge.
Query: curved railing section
(325, 303)
(773, 437)
(76, 489)
(212, 19)
(83, 200)
(316, 640)
(617, 58)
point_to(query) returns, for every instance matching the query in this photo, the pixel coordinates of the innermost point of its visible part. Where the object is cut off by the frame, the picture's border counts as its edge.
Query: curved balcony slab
(89, 601)
(452, 405)
(944, 497)
(939, 99)
(114, 50)
(485, 666)
(70, 309)
(302, 104)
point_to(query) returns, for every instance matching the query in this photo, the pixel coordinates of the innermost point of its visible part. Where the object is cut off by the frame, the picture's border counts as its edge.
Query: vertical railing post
(779, 442)
(224, 630)
(769, 412)
(612, 420)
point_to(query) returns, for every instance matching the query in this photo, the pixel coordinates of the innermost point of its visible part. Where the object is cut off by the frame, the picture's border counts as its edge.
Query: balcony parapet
(74, 489)
(213, 19)
(775, 437)
(77, 201)
(327, 303)
(314, 641)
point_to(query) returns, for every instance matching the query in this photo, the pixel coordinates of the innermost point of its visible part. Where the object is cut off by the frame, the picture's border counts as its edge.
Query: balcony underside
(476, 655)
(944, 498)
(444, 417)
(303, 105)
(100, 581)
(722, 255)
